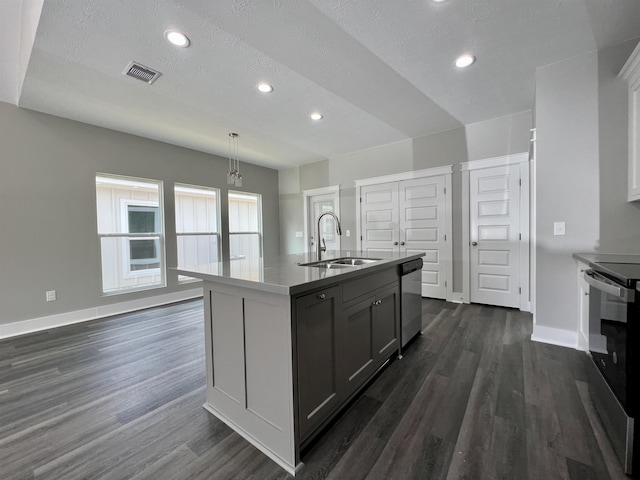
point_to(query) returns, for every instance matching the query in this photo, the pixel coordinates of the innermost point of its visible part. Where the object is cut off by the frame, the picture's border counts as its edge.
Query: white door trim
(533, 223)
(495, 161)
(321, 191)
(312, 192)
(447, 171)
(521, 159)
(396, 177)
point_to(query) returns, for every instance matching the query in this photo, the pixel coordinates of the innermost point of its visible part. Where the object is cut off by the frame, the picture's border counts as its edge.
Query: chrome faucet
(323, 248)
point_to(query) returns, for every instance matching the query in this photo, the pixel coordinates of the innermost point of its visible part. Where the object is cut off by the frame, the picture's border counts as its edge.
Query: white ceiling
(380, 71)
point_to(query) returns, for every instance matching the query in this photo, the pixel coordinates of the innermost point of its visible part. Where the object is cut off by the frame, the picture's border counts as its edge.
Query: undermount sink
(324, 264)
(340, 262)
(354, 261)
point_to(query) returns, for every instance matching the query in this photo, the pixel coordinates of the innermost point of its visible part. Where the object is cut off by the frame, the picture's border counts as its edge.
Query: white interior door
(423, 229)
(494, 195)
(317, 205)
(379, 218)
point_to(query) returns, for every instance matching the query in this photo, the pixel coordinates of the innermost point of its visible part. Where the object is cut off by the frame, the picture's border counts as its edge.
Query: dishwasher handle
(605, 285)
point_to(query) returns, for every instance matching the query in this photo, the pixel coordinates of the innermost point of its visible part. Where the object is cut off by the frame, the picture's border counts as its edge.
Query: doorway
(496, 231)
(316, 202)
(410, 213)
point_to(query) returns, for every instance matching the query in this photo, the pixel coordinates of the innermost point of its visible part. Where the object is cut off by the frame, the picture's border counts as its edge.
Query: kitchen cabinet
(385, 323)
(340, 344)
(287, 349)
(631, 73)
(371, 335)
(317, 326)
(583, 307)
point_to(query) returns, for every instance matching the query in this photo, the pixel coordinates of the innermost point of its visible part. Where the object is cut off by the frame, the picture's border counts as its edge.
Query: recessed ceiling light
(315, 116)
(438, 1)
(265, 88)
(179, 39)
(465, 60)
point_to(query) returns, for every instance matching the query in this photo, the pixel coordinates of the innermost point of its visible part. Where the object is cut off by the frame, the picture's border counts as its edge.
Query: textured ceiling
(380, 71)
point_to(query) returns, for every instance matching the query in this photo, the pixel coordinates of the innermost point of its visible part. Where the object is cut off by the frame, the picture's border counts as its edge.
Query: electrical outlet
(559, 228)
(348, 233)
(51, 296)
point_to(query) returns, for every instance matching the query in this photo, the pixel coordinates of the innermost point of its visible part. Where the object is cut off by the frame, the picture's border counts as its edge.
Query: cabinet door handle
(395, 243)
(322, 296)
(377, 302)
(401, 243)
(474, 243)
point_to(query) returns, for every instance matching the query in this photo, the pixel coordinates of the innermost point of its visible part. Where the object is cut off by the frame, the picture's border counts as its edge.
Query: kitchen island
(288, 345)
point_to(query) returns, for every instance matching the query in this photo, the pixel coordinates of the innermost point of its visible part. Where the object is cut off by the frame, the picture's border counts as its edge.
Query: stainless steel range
(614, 346)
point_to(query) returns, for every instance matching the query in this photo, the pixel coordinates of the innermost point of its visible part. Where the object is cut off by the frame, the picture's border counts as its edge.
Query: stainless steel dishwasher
(411, 299)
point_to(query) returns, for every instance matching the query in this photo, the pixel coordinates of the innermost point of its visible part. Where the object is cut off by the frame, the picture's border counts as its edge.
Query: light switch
(558, 228)
(298, 234)
(348, 233)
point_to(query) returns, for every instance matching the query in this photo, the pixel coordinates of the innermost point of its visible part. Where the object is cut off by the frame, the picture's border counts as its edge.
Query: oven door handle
(593, 279)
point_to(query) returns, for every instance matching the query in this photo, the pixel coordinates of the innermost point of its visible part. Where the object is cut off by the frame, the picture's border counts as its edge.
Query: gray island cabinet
(287, 345)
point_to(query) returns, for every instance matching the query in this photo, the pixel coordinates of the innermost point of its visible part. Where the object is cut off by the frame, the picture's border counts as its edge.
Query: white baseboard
(68, 318)
(583, 343)
(555, 336)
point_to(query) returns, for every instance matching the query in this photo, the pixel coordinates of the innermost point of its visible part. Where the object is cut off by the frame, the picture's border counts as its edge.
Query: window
(131, 232)
(143, 253)
(245, 234)
(197, 226)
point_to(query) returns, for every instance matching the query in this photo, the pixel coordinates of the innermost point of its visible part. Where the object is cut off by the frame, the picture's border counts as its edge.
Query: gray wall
(582, 131)
(292, 182)
(619, 219)
(496, 137)
(451, 147)
(48, 238)
(567, 186)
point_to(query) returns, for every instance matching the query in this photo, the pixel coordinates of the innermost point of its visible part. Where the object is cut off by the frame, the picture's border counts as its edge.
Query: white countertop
(591, 258)
(283, 275)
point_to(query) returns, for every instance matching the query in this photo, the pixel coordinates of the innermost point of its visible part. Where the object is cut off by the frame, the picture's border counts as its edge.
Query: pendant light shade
(233, 175)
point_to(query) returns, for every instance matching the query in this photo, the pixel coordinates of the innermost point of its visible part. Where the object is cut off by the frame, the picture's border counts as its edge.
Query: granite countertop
(282, 274)
(592, 258)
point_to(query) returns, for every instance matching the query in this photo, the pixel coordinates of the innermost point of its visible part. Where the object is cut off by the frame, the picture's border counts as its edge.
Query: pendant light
(233, 175)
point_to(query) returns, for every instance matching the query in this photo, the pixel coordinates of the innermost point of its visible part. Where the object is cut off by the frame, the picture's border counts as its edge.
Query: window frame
(259, 233)
(161, 271)
(218, 234)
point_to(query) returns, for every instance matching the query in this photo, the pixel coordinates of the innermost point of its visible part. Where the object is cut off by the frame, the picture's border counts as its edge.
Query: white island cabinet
(287, 346)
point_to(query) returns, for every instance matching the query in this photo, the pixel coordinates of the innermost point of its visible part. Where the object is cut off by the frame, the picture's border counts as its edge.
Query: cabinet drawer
(365, 285)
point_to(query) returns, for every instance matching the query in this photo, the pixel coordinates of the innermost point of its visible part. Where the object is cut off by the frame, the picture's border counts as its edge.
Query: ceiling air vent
(139, 71)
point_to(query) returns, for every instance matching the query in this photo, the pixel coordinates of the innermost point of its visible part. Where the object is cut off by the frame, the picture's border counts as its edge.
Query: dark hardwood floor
(472, 398)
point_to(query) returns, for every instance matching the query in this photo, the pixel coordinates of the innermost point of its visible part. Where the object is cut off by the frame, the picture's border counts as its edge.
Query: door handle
(322, 296)
(395, 243)
(474, 243)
